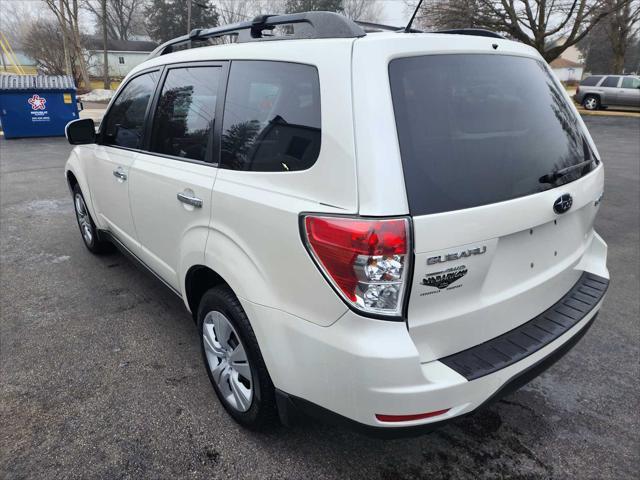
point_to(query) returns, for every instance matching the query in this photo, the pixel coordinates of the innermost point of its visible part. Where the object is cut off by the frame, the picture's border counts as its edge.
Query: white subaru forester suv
(387, 229)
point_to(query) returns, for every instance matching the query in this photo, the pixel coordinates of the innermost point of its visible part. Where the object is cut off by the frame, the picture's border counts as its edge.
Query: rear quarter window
(271, 117)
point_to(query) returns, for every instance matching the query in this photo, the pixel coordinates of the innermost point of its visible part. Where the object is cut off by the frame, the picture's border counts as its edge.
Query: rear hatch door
(501, 183)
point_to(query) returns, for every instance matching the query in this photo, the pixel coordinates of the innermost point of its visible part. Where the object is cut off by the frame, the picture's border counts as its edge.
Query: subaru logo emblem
(563, 204)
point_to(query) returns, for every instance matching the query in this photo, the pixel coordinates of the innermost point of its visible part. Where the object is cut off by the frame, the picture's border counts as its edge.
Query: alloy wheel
(228, 361)
(83, 219)
(591, 103)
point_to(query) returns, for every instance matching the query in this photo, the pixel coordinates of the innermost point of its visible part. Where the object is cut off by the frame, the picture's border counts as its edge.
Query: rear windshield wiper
(561, 172)
(556, 174)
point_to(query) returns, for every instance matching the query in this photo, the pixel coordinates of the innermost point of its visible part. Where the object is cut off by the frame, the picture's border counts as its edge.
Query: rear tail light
(578, 89)
(365, 260)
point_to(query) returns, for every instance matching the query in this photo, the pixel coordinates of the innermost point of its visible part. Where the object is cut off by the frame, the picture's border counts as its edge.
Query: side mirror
(81, 131)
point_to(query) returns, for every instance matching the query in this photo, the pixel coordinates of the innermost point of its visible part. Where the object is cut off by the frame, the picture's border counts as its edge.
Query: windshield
(476, 129)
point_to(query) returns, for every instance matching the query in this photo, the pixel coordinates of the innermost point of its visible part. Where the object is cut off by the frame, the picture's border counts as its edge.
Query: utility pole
(65, 45)
(188, 16)
(105, 58)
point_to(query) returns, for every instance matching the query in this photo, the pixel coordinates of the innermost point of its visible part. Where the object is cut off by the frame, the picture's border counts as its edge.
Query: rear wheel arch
(198, 280)
(72, 181)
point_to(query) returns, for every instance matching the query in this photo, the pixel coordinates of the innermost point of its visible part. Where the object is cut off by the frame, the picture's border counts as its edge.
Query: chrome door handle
(190, 199)
(119, 174)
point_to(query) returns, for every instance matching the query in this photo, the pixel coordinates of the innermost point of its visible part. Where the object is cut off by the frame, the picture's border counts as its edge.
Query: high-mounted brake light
(366, 260)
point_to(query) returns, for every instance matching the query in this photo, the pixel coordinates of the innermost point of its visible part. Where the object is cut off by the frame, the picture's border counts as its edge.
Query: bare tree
(550, 26)
(366, 10)
(42, 41)
(67, 13)
(622, 28)
(448, 14)
(124, 17)
(14, 24)
(233, 11)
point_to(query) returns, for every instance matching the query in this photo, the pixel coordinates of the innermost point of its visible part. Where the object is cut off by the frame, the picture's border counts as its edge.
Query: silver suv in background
(601, 91)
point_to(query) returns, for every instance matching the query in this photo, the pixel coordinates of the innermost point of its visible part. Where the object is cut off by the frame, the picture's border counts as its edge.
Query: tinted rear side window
(479, 129)
(271, 117)
(185, 113)
(610, 82)
(591, 81)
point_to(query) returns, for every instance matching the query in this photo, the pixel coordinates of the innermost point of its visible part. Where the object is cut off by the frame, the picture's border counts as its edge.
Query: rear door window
(124, 123)
(476, 129)
(185, 113)
(591, 81)
(271, 117)
(610, 82)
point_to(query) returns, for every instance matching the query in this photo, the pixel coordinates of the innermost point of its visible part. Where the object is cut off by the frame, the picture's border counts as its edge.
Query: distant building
(567, 70)
(26, 64)
(122, 55)
(569, 66)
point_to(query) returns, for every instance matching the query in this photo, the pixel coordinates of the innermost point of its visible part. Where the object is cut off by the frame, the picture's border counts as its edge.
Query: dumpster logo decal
(37, 102)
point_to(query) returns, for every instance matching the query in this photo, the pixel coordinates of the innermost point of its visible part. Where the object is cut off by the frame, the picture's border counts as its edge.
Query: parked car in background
(601, 91)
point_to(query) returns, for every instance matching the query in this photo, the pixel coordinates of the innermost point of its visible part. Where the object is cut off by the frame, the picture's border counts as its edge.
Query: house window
(121, 60)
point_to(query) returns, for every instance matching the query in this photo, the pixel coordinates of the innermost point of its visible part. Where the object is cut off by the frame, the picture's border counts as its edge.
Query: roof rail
(307, 25)
(475, 32)
(377, 27)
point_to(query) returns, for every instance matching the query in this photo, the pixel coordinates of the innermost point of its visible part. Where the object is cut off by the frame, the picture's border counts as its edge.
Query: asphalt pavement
(101, 374)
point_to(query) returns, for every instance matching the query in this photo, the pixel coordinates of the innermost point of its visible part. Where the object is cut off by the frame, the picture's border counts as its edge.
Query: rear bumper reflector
(528, 338)
(408, 418)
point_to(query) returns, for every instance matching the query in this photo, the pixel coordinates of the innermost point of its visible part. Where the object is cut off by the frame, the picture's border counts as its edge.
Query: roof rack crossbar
(307, 25)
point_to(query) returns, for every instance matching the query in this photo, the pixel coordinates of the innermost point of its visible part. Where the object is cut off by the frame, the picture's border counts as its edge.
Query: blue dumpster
(36, 105)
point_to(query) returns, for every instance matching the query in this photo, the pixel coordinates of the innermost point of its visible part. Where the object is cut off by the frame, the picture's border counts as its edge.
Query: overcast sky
(395, 13)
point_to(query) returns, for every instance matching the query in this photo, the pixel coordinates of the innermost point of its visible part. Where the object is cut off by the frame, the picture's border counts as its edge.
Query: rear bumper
(291, 407)
(358, 368)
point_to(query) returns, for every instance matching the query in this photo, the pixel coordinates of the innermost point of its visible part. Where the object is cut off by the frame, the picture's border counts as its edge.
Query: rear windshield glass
(476, 129)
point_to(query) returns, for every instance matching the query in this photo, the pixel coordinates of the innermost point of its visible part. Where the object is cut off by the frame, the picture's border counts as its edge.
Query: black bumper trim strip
(528, 338)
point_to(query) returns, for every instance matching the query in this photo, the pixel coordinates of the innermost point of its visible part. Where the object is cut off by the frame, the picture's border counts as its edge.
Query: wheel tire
(591, 102)
(261, 412)
(88, 229)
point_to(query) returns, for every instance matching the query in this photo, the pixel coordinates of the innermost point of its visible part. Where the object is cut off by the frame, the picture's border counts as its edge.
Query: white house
(122, 55)
(569, 66)
(567, 70)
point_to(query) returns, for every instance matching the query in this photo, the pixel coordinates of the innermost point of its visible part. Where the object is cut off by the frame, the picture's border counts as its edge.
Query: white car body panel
(170, 231)
(111, 194)
(529, 263)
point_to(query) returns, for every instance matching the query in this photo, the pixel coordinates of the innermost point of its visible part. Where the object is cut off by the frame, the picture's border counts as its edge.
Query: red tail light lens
(366, 260)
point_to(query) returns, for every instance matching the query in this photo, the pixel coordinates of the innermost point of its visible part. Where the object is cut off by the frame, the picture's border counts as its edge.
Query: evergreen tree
(296, 6)
(167, 19)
